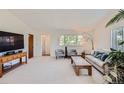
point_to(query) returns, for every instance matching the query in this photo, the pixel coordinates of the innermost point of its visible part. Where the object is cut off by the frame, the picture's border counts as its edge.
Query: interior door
(31, 43)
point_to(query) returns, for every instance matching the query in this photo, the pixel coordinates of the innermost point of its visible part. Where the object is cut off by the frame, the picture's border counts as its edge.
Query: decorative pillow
(60, 51)
(95, 53)
(112, 49)
(99, 55)
(103, 57)
(73, 50)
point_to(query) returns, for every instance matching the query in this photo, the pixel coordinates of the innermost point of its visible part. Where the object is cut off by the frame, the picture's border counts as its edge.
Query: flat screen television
(11, 41)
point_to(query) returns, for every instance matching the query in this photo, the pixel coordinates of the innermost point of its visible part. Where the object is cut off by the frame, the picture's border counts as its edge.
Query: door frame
(30, 45)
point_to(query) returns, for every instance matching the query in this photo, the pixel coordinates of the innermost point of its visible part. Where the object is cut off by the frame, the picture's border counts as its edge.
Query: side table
(83, 55)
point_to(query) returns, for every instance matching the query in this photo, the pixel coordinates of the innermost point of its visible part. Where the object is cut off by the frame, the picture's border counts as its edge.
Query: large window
(71, 40)
(117, 37)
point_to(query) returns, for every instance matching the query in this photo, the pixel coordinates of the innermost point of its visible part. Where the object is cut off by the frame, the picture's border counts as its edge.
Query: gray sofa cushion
(100, 63)
(95, 60)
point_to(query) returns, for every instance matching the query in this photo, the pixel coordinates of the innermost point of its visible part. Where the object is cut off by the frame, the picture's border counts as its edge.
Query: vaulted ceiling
(39, 19)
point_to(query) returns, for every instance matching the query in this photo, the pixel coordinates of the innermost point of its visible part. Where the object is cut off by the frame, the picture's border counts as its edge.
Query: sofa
(99, 62)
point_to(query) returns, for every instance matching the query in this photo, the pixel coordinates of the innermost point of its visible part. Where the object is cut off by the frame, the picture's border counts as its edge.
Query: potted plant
(116, 67)
(116, 63)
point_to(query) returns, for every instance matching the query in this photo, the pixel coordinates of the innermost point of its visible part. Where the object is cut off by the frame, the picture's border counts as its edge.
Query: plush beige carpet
(48, 70)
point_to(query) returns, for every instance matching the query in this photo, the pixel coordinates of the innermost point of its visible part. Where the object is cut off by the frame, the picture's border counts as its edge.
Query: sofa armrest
(106, 68)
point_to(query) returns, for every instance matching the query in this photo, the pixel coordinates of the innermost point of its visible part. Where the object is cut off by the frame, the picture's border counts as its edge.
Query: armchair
(71, 52)
(59, 53)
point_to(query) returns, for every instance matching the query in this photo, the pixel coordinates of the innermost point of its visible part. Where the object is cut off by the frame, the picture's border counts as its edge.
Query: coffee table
(81, 63)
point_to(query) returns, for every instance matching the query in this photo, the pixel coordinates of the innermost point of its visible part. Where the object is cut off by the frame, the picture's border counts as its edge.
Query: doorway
(30, 46)
(45, 38)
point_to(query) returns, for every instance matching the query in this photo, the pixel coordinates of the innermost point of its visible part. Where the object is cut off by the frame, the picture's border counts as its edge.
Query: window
(117, 37)
(71, 40)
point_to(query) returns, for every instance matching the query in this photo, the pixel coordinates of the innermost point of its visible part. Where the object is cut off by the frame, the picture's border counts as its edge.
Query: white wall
(10, 23)
(102, 37)
(37, 44)
(54, 39)
(58, 22)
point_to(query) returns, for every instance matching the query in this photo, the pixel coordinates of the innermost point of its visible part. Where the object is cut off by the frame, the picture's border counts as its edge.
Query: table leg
(77, 70)
(71, 61)
(20, 60)
(90, 70)
(1, 70)
(26, 59)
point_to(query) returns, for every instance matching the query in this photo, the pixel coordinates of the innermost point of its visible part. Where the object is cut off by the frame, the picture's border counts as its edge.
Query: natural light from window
(70, 40)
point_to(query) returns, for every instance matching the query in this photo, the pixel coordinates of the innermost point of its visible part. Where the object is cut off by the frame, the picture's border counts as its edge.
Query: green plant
(121, 43)
(116, 67)
(117, 58)
(119, 16)
(116, 73)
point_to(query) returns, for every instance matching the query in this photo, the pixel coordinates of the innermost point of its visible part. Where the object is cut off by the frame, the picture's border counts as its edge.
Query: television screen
(11, 41)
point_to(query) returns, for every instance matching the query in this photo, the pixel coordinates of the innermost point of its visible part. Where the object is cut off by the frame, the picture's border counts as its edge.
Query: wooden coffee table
(81, 63)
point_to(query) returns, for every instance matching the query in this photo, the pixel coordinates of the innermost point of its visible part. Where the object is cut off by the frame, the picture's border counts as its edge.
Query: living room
(81, 30)
(61, 46)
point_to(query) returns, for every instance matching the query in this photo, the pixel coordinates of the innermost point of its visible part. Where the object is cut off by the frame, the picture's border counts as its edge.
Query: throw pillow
(112, 49)
(99, 55)
(103, 57)
(95, 53)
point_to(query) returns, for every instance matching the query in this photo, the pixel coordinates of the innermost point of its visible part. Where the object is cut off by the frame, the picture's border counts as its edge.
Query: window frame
(71, 44)
(113, 34)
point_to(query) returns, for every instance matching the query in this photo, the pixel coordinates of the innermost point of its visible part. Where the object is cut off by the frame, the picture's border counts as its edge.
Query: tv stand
(7, 59)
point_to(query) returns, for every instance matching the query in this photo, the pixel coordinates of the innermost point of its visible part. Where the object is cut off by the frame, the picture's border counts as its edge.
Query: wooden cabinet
(1, 71)
(6, 59)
